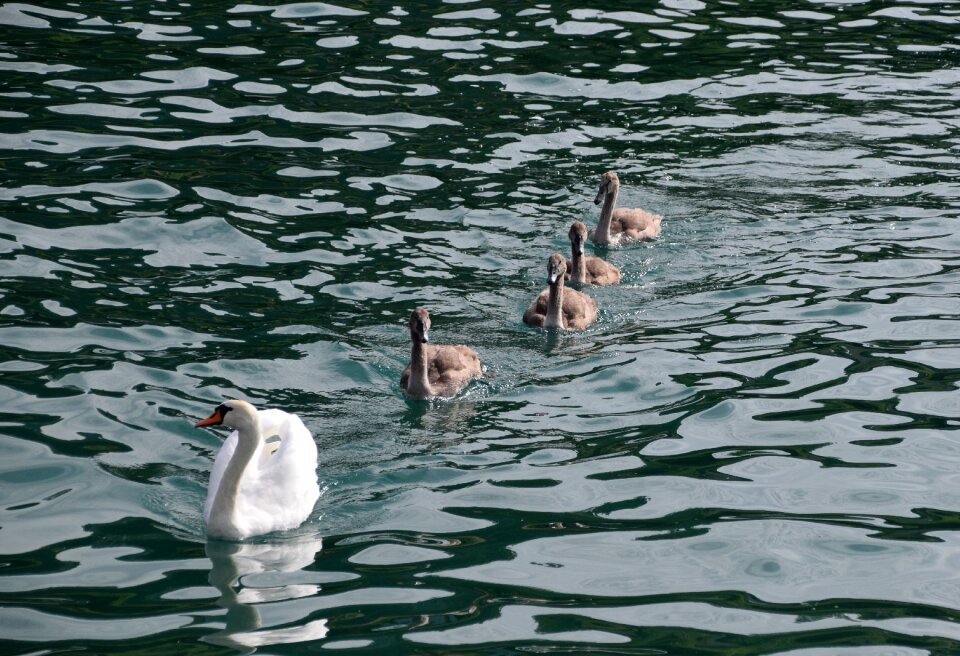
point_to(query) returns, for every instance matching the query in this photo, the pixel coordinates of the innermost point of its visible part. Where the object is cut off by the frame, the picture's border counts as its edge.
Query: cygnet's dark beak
(600, 195)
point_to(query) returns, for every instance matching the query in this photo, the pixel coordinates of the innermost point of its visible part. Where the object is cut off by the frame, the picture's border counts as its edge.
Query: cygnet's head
(556, 267)
(578, 236)
(420, 325)
(234, 413)
(609, 183)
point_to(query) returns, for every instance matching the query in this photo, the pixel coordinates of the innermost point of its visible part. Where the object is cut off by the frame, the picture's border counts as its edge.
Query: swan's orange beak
(212, 420)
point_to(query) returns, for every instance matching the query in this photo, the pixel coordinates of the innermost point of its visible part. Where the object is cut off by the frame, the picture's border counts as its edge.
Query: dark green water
(754, 451)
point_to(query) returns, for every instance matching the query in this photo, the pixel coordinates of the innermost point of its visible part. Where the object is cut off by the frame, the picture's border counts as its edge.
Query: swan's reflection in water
(233, 562)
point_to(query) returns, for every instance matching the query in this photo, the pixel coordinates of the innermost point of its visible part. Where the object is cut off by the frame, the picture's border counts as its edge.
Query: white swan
(259, 485)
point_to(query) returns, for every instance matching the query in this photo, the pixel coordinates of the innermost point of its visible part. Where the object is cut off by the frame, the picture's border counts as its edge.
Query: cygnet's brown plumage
(436, 369)
(556, 307)
(587, 269)
(623, 224)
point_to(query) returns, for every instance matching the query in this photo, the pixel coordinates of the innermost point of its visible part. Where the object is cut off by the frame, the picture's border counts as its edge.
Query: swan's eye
(223, 409)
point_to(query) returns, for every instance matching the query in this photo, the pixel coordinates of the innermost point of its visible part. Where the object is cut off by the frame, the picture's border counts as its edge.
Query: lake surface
(754, 450)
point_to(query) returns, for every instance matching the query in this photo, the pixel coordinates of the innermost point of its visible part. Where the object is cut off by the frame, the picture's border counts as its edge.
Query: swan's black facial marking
(216, 418)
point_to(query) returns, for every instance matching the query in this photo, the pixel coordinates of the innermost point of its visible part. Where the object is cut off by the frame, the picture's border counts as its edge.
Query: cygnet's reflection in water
(443, 416)
(233, 562)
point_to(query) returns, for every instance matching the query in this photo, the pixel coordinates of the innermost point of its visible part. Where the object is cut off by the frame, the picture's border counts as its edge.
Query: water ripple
(752, 449)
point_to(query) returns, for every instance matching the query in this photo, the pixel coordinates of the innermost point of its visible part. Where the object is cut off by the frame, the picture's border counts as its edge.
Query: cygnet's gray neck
(554, 316)
(419, 382)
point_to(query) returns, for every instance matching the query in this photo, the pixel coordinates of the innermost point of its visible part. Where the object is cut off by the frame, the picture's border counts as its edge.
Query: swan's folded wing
(288, 480)
(273, 421)
(296, 441)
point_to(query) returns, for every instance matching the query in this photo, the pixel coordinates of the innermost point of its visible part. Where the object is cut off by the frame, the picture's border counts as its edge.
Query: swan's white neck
(602, 233)
(554, 316)
(419, 383)
(223, 510)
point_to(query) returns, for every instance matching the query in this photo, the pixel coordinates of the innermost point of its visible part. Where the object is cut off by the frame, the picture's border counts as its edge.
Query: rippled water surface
(754, 450)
